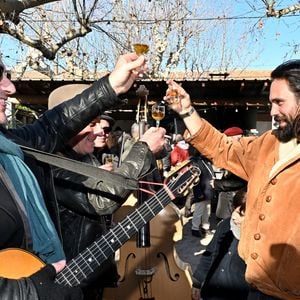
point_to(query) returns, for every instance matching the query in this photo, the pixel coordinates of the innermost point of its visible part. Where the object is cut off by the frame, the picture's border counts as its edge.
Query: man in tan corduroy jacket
(270, 239)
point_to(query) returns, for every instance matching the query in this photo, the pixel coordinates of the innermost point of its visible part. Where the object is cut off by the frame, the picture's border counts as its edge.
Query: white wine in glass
(173, 94)
(140, 49)
(158, 113)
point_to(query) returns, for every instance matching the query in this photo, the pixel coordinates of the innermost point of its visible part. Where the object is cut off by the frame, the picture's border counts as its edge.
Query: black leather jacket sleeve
(229, 183)
(56, 126)
(136, 165)
(17, 289)
(211, 252)
(91, 196)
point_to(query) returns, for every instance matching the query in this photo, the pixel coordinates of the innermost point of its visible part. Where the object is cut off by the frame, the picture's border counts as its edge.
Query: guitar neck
(80, 267)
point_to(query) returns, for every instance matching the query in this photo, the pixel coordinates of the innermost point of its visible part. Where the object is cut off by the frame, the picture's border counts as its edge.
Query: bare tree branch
(10, 9)
(47, 41)
(277, 13)
(176, 36)
(49, 50)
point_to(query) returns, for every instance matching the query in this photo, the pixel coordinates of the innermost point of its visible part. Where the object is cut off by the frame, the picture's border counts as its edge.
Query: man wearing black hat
(103, 130)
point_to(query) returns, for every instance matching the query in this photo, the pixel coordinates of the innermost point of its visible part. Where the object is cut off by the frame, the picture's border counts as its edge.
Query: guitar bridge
(144, 272)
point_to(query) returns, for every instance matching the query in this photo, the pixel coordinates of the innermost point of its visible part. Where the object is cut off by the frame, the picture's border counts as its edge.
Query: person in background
(180, 152)
(135, 135)
(166, 158)
(86, 211)
(220, 274)
(270, 164)
(234, 132)
(178, 155)
(202, 196)
(103, 129)
(114, 142)
(229, 184)
(226, 187)
(28, 208)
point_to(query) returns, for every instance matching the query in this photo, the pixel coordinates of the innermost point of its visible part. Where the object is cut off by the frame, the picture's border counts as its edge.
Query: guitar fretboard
(92, 257)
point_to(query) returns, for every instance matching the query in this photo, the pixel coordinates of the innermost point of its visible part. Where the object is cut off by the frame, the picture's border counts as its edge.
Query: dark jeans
(257, 295)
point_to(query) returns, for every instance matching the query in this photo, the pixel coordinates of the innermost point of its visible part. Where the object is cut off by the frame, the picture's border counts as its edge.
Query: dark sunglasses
(106, 129)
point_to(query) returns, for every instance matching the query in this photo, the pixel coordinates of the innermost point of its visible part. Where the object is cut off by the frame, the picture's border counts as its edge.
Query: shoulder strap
(208, 167)
(75, 166)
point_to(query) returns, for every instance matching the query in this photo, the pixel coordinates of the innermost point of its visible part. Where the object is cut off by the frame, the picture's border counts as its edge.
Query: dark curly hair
(239, 199)
(290, 71)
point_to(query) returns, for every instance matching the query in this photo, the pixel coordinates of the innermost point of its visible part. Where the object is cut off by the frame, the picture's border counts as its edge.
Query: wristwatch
(188, 113)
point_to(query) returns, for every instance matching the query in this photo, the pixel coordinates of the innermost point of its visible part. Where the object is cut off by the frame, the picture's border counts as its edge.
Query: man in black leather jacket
(48, 134)
(85, 210)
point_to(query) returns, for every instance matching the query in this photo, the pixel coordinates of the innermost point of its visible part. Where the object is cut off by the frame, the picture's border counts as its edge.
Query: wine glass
(173, 94)
(108, 160)
(140, 49)
(158, 112)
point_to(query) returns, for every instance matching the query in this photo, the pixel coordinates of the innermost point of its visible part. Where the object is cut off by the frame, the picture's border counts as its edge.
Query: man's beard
(297, 128)
(286, 133)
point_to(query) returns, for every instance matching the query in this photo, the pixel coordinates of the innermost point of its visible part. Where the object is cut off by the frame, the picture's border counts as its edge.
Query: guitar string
(71, 272)
(108, 242)
(103, 245)
(117, 228)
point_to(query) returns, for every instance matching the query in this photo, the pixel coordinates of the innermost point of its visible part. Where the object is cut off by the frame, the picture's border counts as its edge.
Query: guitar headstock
(182, 178)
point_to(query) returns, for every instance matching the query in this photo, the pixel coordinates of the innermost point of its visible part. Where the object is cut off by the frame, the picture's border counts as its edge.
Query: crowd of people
(55, 213)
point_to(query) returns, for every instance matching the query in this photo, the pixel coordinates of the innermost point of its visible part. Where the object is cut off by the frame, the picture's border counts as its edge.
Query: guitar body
(18, 263)
(169, 276)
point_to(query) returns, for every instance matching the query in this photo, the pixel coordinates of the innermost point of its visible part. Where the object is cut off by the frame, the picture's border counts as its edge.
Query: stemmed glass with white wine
(158, 111)
(140, 49)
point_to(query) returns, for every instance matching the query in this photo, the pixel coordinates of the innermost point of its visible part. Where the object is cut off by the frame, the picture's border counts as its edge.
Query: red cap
(233, 131)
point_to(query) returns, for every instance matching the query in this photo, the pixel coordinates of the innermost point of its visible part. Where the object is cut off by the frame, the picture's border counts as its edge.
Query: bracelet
(188, 113)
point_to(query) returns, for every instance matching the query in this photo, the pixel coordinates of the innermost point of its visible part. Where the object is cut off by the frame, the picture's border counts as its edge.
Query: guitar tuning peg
(186, 192)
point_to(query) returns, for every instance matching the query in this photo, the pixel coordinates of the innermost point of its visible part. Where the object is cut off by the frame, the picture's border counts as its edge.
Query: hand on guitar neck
(58, 266)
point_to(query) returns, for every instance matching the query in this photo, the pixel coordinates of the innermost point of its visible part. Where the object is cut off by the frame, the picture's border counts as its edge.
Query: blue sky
(276, 43)
(275, 37)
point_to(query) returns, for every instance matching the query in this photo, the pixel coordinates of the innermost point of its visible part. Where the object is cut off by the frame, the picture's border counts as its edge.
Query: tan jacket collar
(287, 152)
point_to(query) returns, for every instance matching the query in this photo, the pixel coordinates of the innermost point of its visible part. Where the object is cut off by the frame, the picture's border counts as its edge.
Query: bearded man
(270, 236)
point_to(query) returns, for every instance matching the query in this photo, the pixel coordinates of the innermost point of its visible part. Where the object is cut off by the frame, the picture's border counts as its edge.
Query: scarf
(46, 243)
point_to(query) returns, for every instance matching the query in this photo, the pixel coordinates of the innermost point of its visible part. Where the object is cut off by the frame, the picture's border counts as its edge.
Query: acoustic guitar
(17, 263)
